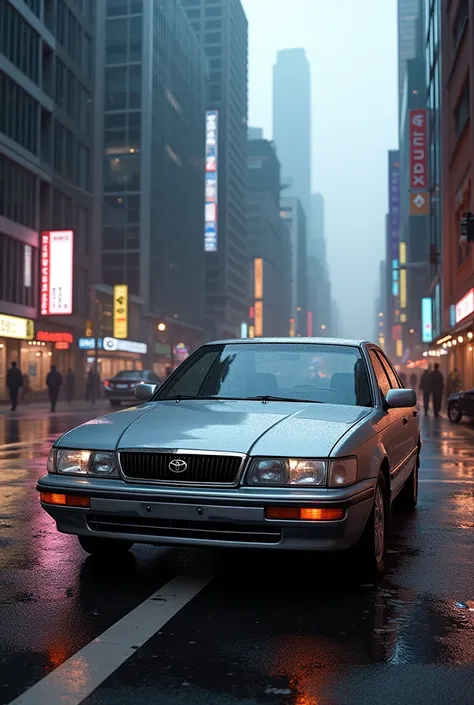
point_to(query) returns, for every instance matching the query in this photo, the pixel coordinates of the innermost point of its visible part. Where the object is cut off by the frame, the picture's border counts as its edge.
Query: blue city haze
(352, 50)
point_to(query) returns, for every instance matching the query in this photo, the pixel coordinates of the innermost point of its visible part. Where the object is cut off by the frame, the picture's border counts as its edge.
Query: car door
(466, 402)
(392, 435)
(408, 429)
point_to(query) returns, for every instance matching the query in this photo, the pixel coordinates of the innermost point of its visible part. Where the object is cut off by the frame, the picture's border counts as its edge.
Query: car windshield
(332, 374)
(130, 374)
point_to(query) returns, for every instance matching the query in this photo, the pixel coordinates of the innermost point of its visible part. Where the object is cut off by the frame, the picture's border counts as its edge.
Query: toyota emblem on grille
(177, 465)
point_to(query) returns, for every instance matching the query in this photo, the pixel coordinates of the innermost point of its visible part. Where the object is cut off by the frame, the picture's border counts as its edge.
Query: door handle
(405, 420)
(415, 414)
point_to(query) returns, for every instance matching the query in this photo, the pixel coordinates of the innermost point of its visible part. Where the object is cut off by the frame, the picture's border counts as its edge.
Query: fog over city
(352, 51)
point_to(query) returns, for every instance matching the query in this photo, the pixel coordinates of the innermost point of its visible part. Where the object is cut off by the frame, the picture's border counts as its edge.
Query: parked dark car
(461, 404)
(121, 388)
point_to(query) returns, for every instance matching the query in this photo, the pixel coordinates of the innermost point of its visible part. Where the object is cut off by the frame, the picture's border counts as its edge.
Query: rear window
(130, 374)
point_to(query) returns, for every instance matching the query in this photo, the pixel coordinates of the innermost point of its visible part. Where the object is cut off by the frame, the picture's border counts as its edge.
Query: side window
(382, 379)
(388, 369)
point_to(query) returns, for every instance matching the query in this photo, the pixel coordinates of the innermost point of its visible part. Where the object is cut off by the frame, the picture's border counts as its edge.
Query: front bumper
(208, 518)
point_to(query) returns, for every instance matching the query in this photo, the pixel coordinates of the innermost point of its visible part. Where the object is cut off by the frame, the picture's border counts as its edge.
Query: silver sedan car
(280, 444)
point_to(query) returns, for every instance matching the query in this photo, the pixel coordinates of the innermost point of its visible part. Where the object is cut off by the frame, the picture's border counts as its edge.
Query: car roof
(295, 341)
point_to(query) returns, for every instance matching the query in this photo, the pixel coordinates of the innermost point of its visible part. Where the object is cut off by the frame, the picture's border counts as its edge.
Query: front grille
(200, 469)
(172, 528)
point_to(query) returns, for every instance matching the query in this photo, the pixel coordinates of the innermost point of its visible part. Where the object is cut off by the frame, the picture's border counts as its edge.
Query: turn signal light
(304, 514)
(65, 500)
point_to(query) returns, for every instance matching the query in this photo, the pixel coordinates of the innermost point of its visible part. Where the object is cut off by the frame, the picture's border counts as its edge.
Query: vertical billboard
(211, 197)
(426, 320)
(258, 277)
(121, 311)
(56, 279)
(394, 204)
(418, 146)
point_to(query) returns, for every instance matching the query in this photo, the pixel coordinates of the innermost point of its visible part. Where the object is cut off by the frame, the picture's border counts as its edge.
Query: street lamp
(161, 327)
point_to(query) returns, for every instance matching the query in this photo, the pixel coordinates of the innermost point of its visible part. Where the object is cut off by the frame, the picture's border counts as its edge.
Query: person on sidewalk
(425, 389)
(69, 385)
(54, 382)
(436, 381)
(14, 384)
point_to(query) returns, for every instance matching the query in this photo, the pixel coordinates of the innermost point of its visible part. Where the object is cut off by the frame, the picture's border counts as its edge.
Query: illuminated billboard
(427, 320)
(211, 191)
(120, 311)
(56, 279)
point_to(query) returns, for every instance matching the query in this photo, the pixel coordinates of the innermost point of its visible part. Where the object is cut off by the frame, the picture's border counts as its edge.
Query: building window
(117, 8)
(18, 279)
(116, 41)
(212, 37)
(115, 88)
(461, 112)
(135, 36)
(19, 42)
(17, 193)
(122, 173)
(18, 114)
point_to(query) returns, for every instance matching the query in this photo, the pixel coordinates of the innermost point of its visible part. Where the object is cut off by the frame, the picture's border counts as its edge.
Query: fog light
(283, 513)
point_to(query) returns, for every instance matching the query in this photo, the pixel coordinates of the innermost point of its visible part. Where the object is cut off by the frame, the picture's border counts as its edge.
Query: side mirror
(400, 399)
(144, 392)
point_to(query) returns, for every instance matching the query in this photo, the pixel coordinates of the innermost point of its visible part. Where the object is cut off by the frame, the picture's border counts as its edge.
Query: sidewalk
(39, 408)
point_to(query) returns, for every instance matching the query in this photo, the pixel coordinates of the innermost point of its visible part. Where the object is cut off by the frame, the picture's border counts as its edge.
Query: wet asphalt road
(273, 631)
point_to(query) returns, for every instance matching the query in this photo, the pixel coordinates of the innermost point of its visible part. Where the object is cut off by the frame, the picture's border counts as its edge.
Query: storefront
(14, 331)
(47, 348)
(113, 355)
(455, 348)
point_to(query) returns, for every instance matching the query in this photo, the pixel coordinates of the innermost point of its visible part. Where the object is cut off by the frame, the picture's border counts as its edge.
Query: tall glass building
(221, 27)
(47, 180)
(154, 147)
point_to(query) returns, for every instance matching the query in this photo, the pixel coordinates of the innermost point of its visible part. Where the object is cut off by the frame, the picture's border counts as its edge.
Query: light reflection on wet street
(276, 630)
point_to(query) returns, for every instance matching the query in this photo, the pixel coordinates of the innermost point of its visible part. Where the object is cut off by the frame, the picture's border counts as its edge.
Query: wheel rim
(379, 525)
(454, 413)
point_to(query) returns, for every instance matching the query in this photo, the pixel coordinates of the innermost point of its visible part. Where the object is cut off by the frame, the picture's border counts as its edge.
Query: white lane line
(76, 678)
(449, 482)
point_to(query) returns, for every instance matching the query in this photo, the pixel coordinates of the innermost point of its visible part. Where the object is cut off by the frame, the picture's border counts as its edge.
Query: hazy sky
(352, 51)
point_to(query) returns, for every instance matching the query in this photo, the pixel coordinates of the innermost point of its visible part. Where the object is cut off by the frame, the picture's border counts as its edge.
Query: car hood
(273, 428)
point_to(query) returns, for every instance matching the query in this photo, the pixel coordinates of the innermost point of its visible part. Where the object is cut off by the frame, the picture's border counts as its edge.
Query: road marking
(76, 678)
(450, 482)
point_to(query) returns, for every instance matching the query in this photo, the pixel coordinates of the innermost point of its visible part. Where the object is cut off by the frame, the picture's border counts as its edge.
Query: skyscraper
(221, 27)
(408, 36)
(46, 179)
(153, 213)
(292, 123)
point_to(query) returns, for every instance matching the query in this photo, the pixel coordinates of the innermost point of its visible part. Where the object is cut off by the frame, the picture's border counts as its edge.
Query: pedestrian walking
(69, 385)
(92, 386)
(26, 390)
(54, 382)
(436, 381)
(425, 389)
(14, 384)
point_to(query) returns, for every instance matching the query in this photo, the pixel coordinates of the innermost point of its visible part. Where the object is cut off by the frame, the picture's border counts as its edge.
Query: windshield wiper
(268, 397)
(188, 397)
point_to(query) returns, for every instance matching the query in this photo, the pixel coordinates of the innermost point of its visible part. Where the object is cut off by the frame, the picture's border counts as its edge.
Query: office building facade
(221, 28)
(154, 146)
(408, 39)
(294, 217)
(47, 179)
(268, 243)
(292, 123)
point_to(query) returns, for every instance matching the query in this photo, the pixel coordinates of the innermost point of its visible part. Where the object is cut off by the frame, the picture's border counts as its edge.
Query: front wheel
(454, 413)
(103, 547)
(372, 547)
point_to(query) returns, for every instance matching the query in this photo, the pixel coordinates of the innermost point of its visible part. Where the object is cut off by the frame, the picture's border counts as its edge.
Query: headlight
(342, 472)
(287, 471)
(85, 462)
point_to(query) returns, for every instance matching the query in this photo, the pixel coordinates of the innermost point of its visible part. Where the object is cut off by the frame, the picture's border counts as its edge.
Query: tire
(371, 550)
(408, 497)
(115, 403)
(454, 413)
(104, 547)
